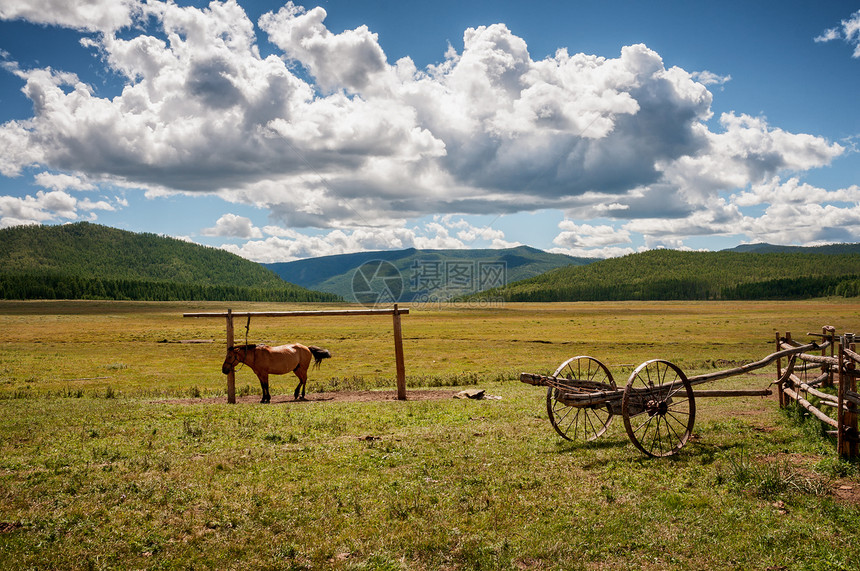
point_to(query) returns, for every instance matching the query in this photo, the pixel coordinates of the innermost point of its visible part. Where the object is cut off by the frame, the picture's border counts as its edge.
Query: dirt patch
(339, 396)
(847, 491)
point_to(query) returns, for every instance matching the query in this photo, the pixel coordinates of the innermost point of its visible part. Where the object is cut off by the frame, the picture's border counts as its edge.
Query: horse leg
(264, 384)
(302, 374)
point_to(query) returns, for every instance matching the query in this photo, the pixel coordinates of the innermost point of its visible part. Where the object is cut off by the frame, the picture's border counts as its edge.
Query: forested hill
(85, 260)
(671, 274)
(425, 274)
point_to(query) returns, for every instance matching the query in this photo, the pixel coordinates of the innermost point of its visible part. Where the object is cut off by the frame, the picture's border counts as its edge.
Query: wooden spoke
(578, 423)
(658, 408)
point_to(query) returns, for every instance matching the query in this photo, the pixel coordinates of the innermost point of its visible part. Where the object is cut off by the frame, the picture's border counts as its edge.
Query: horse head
(236, 355)
(231, 361)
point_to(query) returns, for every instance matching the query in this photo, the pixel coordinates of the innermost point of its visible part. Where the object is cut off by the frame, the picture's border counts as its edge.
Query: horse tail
(319, 354)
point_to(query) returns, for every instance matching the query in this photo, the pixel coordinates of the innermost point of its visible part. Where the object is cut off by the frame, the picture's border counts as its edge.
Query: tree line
(675, 275)
(59, 286)
(692, 290)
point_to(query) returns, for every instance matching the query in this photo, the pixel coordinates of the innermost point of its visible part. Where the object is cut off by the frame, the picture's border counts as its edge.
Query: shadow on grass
(693, 451)
(565, 446)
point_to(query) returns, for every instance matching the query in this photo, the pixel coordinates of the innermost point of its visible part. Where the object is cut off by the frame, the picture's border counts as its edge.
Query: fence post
(827, 334)
(825, 366)
(398, 356)
(231, 376)
(779, 373)
(847, 436)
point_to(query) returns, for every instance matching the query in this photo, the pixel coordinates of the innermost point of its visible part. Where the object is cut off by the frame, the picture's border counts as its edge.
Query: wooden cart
(658, 404)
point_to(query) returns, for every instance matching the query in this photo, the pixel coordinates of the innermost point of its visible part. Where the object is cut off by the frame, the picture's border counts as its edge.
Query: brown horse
(265, 361)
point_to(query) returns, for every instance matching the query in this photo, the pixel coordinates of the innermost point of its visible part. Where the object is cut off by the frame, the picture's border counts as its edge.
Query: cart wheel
(573, 422)
(658, 408)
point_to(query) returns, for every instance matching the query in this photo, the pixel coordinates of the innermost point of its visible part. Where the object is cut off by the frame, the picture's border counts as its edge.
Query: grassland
(113, 458)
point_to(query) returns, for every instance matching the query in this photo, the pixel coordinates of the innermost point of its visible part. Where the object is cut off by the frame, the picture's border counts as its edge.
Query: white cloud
(589, 237)
(792, 191)
(469, 234)
(775, 211)
(349, 60)
(849, 31)
(297, 246)
(604, 252)
(43, 207)
(710, 78)
(233, 226)
(719, 218)
(828, 35)
(48, 206)
(87, 204)
(62, 182)
(805, 224)
(284, 245)
(748, 151)
(91, 15)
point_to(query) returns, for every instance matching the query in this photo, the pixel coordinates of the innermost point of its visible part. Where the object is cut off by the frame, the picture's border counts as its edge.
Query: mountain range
(86, 260)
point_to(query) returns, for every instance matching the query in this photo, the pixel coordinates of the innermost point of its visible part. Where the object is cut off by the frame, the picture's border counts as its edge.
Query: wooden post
(841, 444)
(785, 395)
(827, 335)
(847, 441)
(398, 356)
(779, 374)
(231, 376)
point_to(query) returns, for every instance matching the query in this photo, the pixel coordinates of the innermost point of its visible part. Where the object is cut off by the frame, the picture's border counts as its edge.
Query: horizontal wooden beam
(326, 312)
(733, 393)
(815, 412)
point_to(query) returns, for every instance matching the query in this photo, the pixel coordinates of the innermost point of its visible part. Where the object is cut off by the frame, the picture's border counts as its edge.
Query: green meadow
(119, 450)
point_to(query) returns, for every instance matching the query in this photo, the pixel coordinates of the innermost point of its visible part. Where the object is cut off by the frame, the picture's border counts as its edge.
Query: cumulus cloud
(62, 182)
(349, 60)
(48, 206)
(587, 236)
(233, 226)
(793, 213)
(442, 232)
(90, 15)
(329, 134)
(793, 191)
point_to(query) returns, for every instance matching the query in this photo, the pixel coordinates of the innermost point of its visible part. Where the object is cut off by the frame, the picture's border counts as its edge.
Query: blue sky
(282, 131)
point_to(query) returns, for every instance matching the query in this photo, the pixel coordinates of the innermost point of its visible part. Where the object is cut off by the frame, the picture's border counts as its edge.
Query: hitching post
(231, 376)
(398, 337)
(398, 356)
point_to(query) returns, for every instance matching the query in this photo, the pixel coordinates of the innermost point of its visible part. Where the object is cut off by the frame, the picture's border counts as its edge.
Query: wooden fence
(830, 378)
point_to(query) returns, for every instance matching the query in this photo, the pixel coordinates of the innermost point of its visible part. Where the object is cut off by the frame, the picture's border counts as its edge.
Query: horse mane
(248, 347)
